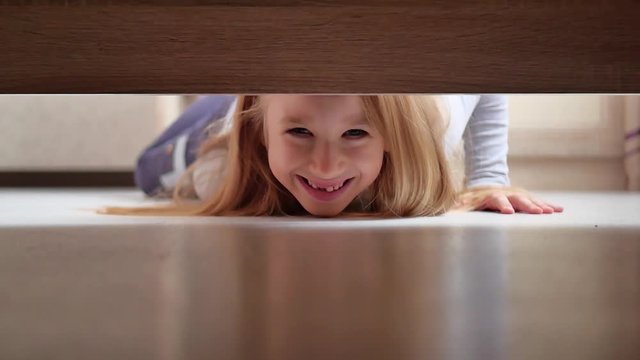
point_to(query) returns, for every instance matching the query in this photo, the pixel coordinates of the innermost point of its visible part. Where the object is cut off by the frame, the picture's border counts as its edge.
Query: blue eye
(299, 132)
(355, 133)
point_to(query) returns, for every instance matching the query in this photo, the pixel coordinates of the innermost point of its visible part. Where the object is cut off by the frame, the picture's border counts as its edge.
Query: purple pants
(161, 163)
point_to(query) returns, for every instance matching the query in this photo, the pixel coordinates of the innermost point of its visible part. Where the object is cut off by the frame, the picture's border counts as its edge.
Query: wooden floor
(157, 288)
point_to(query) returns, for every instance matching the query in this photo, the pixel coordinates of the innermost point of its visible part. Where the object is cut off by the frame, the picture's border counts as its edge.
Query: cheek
(369, 159)
(283, 158)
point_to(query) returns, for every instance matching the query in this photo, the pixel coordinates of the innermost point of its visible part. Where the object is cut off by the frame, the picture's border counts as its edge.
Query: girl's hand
(505, 200)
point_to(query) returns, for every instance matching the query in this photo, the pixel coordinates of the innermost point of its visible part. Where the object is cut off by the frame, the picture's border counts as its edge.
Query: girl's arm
(166, 159)
(487, 172)
(486, 143)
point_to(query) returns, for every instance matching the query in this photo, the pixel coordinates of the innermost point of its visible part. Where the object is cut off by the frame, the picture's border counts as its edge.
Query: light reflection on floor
(187, 292)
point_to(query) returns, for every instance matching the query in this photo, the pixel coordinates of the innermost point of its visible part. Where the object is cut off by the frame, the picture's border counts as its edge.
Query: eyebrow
(351, 120)
(294, 120)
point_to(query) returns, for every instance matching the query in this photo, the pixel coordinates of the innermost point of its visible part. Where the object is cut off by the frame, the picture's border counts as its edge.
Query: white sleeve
(486, 142)
(209, 172)
(211, 167)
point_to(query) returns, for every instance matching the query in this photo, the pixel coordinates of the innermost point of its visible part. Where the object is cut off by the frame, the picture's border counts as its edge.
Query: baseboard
(568, 174)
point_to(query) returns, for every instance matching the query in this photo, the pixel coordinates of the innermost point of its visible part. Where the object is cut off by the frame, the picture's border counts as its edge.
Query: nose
(327, 160)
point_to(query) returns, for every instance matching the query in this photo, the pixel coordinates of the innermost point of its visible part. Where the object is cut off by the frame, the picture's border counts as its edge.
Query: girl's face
(321, 149)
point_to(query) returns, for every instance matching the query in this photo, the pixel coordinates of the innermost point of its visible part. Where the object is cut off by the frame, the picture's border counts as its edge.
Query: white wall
(79, 132)
(567, 142)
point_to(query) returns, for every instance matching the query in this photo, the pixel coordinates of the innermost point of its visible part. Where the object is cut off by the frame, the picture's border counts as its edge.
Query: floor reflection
(288, 293)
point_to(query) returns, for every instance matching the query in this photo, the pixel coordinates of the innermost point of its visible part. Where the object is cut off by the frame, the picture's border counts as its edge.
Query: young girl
(331, 155)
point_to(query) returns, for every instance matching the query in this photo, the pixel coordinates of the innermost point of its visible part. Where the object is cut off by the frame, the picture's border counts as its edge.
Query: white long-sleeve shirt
(481, 121)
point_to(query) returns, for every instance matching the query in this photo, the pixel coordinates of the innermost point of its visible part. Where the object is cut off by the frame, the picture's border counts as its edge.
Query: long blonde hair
(415, 179)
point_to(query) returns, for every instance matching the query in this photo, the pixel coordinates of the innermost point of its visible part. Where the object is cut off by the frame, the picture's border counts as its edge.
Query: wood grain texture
(262, 3)
(295, 46)
(167, 288)
(67, 179)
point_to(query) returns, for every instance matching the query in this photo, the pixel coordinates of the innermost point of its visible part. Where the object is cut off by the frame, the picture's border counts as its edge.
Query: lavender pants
(161, 163)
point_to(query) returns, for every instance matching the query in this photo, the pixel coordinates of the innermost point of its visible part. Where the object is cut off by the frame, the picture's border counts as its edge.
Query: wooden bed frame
(324, 46)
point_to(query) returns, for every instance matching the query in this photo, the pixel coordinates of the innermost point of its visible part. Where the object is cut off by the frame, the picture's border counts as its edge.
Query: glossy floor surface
(464, 286)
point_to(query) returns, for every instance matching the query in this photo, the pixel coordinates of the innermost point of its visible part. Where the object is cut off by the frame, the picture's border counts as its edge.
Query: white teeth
(328, 189)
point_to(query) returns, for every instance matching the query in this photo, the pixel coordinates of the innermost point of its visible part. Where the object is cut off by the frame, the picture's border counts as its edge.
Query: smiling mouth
(329, 189)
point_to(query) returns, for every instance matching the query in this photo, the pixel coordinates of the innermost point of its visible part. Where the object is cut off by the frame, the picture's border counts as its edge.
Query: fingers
(524, 204)
(498, 202)
(509, 202)
(546, 209)
(532, 205)
(556, 208)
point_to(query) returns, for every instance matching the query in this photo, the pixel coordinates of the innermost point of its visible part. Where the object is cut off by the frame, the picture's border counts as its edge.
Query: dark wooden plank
(506, 46)
(66, 179)
(262, 3)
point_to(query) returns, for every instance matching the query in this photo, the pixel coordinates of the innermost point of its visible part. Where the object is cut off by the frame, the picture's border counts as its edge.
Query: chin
(328, 212)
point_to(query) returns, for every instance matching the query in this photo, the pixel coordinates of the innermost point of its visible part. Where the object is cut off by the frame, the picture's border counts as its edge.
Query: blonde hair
(415, 179)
